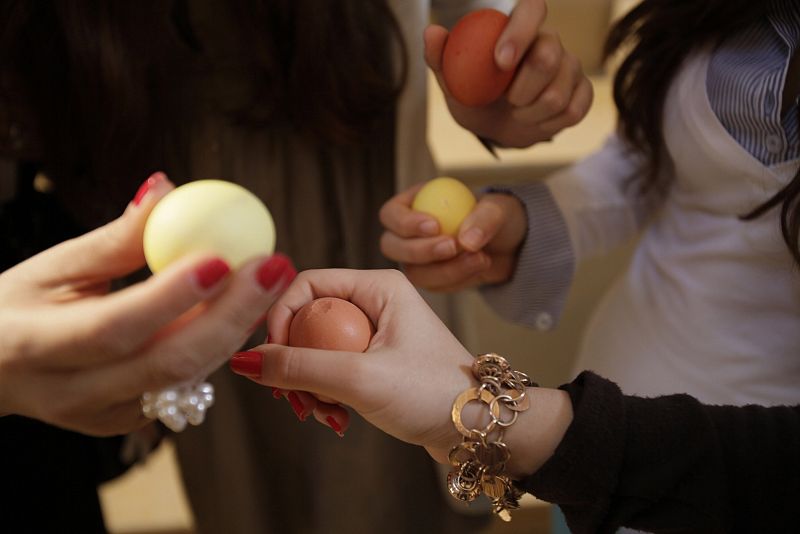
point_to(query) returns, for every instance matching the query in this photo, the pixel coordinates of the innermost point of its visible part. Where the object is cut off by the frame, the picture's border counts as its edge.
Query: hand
(484, 252)
(406, 381)
(549, 91)
(77, 356)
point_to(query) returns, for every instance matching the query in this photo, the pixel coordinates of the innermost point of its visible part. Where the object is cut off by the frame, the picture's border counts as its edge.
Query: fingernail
(211, 272)
(505, 57)
(275, 269)
(297, 405)
(334, 424)
(429, 227)
(472, 239)
(277, 393)
(147, 186)
(247, 363)
(445, 249)
(269, 338)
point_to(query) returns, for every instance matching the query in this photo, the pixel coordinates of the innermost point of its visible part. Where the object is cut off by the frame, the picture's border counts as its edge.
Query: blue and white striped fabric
(745, 85)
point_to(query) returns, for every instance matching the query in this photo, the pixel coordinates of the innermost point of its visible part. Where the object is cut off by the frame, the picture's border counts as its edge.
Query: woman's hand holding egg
(481, 251)
(404, 383)
(534, 89)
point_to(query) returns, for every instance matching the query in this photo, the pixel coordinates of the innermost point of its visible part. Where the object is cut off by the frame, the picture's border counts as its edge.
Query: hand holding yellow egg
(208, 216)
(447, 200)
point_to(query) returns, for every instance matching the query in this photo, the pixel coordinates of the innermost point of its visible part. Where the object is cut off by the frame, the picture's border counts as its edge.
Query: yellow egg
(208, 216)
(447, 200)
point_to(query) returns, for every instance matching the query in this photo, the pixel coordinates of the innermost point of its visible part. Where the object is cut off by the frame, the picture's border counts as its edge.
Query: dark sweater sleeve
(672, 464)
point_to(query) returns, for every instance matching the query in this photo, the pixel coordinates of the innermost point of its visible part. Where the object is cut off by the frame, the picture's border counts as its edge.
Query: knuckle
(395, 275)
(106, 335)
(546, 59)
(174, 367)
(553, 101)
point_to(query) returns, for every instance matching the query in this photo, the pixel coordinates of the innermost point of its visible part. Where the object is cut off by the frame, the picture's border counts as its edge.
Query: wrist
(480, 460)
(534, 438)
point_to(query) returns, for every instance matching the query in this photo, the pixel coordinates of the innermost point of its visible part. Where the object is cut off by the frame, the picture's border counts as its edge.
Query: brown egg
(332, 324)
(470, 72)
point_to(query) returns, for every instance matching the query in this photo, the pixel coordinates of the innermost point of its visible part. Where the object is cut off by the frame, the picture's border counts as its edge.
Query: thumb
(482, 224)
(327, 373)
(107, 252)
(522, 28)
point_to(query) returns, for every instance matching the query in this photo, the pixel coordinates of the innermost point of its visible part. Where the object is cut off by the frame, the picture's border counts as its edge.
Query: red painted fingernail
(297, 405)
(334, 424)
(276, 393)
(275, 269)
(211, 272)
(247, 363)
(148, 184)
(269, 339)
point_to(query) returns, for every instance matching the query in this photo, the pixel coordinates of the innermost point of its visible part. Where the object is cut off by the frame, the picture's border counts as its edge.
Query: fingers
(333, 416)
(115, 326)
(556, 96)
(397, 216)
(370, 290)
(522, 29)
(539, 69)
(201, 345)
(301, 369)
(575, 111)
(418, 251)
(110, 251)
(443, 275)
(484, 222)
(497, 225)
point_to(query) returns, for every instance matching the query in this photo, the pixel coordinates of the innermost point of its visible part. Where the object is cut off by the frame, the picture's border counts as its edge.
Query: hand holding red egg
(325, 323)
(505, 79)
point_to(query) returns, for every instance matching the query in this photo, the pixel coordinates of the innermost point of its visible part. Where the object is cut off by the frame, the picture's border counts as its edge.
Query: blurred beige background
(150, 499)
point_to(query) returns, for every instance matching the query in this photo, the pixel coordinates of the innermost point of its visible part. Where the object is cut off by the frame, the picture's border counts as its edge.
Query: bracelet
(479, 460)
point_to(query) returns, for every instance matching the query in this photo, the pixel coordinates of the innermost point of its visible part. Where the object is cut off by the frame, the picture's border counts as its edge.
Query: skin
(77, 356)
(406, 381)
(549, 92)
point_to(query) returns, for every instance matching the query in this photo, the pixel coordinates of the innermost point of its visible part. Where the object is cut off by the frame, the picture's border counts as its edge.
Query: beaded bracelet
(479, 460)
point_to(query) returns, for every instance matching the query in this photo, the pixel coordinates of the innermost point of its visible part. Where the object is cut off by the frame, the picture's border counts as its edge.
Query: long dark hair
(108, 82)
(661, 34)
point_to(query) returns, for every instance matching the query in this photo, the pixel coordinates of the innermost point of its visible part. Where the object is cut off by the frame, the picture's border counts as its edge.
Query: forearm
(669, 463)
(535, 436)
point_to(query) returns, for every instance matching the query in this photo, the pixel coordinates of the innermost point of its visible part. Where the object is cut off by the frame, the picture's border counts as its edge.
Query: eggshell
(210, 216)
(447, 200)
(332, 324)
(468, 66)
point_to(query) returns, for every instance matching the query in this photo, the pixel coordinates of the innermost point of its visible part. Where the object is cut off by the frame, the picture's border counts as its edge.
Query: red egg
(470, 72)
(331, 324)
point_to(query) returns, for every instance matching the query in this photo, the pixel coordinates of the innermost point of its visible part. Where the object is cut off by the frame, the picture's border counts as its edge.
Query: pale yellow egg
(208, 216)
(447, 200)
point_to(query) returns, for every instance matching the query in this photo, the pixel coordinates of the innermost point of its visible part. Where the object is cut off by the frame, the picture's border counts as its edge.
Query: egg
(447, 200)
(208, 216)
(468, 66)
(332, 324)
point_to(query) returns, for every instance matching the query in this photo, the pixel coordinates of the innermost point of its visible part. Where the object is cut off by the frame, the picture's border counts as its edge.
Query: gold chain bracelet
(479, 460)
